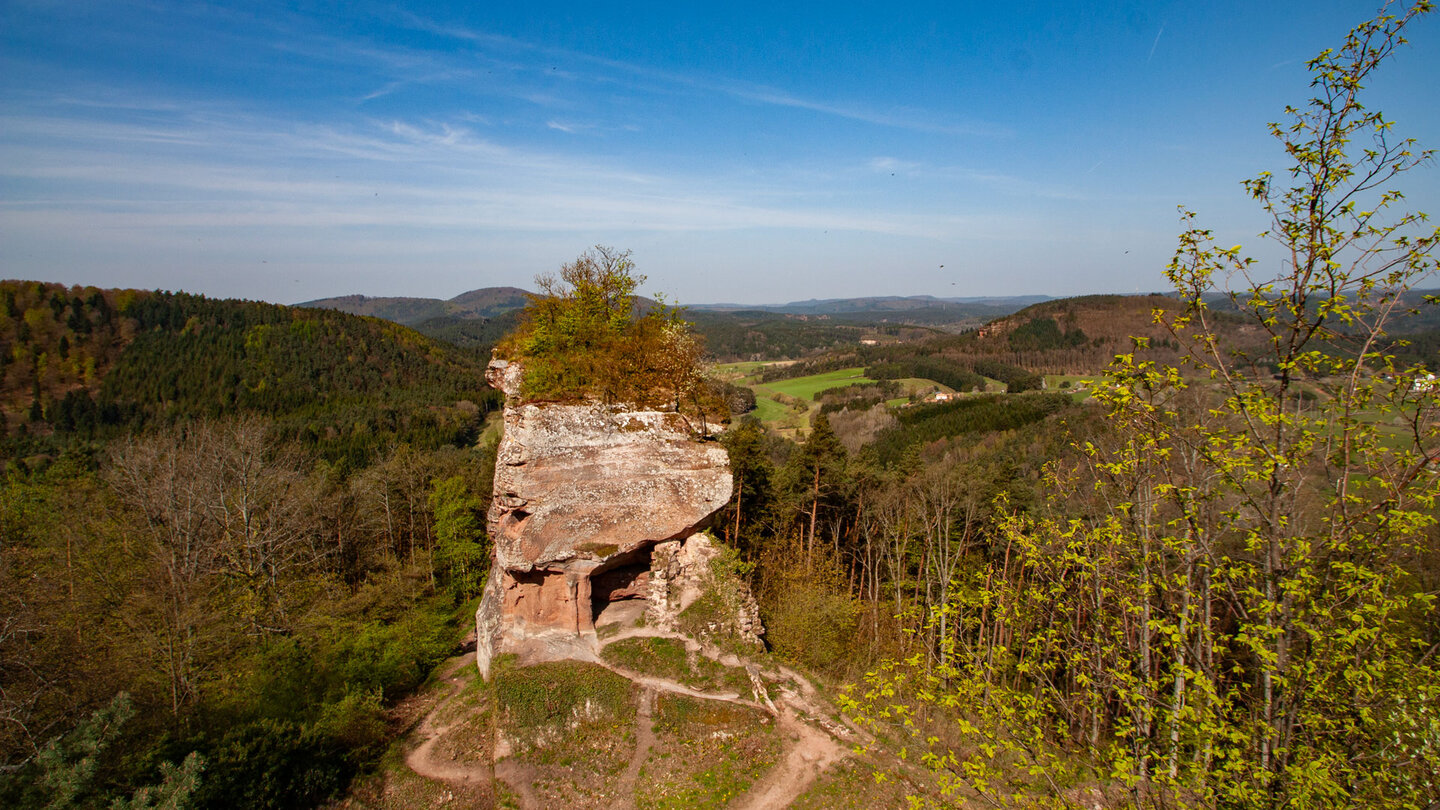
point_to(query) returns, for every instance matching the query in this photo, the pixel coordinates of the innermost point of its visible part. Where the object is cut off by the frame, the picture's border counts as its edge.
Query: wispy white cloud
(893, 165)
(423, 209)
(485, 38)
(567, 128)
(1018, 186)
(899, 118)
(236, 172)
(1155, 44)
(1008, 184)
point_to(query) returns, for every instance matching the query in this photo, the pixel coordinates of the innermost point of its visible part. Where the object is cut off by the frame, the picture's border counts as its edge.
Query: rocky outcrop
(681, 573)
(583, 495)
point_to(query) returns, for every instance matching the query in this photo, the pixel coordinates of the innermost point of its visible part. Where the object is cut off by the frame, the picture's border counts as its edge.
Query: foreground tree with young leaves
(1239, 618)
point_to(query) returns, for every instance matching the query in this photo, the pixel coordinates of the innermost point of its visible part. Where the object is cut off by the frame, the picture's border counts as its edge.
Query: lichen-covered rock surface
(583, 493)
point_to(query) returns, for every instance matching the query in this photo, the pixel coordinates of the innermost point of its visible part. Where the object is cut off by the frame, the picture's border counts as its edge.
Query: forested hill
(917, 309)
(481, 304)
(89, 363)
(231, 533)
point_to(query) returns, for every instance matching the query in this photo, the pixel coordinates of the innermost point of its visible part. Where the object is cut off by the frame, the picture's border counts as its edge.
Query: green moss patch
(553, 696)
(601, 550)
(572, 724)
(661, 657)
(668, 658)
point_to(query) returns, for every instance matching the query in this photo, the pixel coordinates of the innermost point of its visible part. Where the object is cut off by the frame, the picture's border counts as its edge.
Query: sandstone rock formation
(583, 495)
(680, 574)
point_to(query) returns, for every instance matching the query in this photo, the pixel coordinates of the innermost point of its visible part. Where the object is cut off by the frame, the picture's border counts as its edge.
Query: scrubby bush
(273, 764)
(715, 616)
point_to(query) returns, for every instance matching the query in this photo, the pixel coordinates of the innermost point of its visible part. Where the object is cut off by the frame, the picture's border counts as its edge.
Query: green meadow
(789, 406)
(807, 387)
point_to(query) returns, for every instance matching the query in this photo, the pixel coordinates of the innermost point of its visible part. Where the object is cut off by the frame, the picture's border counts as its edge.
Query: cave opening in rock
(619, 588)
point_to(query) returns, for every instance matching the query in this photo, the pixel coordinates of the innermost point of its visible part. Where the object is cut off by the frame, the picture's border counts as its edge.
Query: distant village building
(869, 342)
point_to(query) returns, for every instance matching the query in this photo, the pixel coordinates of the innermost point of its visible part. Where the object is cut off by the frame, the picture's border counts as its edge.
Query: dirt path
(675, 687)
(647, 632)
(812, 752)
(644, 741)
(521, 779)
(422, 759)
(809, 749)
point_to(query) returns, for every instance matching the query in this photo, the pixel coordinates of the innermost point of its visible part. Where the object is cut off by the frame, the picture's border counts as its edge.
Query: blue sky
(753, 153)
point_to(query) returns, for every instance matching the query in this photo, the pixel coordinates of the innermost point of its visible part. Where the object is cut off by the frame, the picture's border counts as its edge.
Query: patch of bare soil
(813, 740)
(811, 752)
(520, 777)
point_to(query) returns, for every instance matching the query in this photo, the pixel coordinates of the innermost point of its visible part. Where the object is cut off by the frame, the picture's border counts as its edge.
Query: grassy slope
(771, 406)
(576, 735)
(807, 387)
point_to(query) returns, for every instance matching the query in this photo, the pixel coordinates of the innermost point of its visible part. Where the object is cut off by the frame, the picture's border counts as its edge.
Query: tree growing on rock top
(586, 335)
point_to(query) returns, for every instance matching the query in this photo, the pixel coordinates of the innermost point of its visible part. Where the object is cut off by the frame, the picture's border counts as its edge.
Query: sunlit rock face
(583, 493)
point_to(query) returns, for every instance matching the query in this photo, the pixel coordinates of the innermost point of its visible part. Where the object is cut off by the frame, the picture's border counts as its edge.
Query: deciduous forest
(233, 532)
(236, 535)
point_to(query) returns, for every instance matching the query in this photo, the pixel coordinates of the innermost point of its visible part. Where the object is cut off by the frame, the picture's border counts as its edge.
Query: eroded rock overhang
(582, 489)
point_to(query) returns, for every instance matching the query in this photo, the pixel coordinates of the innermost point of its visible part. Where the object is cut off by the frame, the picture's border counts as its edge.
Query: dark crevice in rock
(622, 577)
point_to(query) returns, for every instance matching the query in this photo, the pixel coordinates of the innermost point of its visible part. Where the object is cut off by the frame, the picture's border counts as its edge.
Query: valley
(876, 485)
(975, 519)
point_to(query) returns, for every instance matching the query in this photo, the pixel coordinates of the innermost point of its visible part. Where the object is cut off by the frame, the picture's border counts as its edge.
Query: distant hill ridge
(482, 304)
(882, 304)
(490, 302)
(477, 319)
(92, 363)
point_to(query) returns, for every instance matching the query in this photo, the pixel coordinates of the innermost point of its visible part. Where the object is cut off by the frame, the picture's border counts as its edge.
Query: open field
(1079, 387)
(776, 402)
(807, 387)
(770, 410)
(914, 385)
(736, 372)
